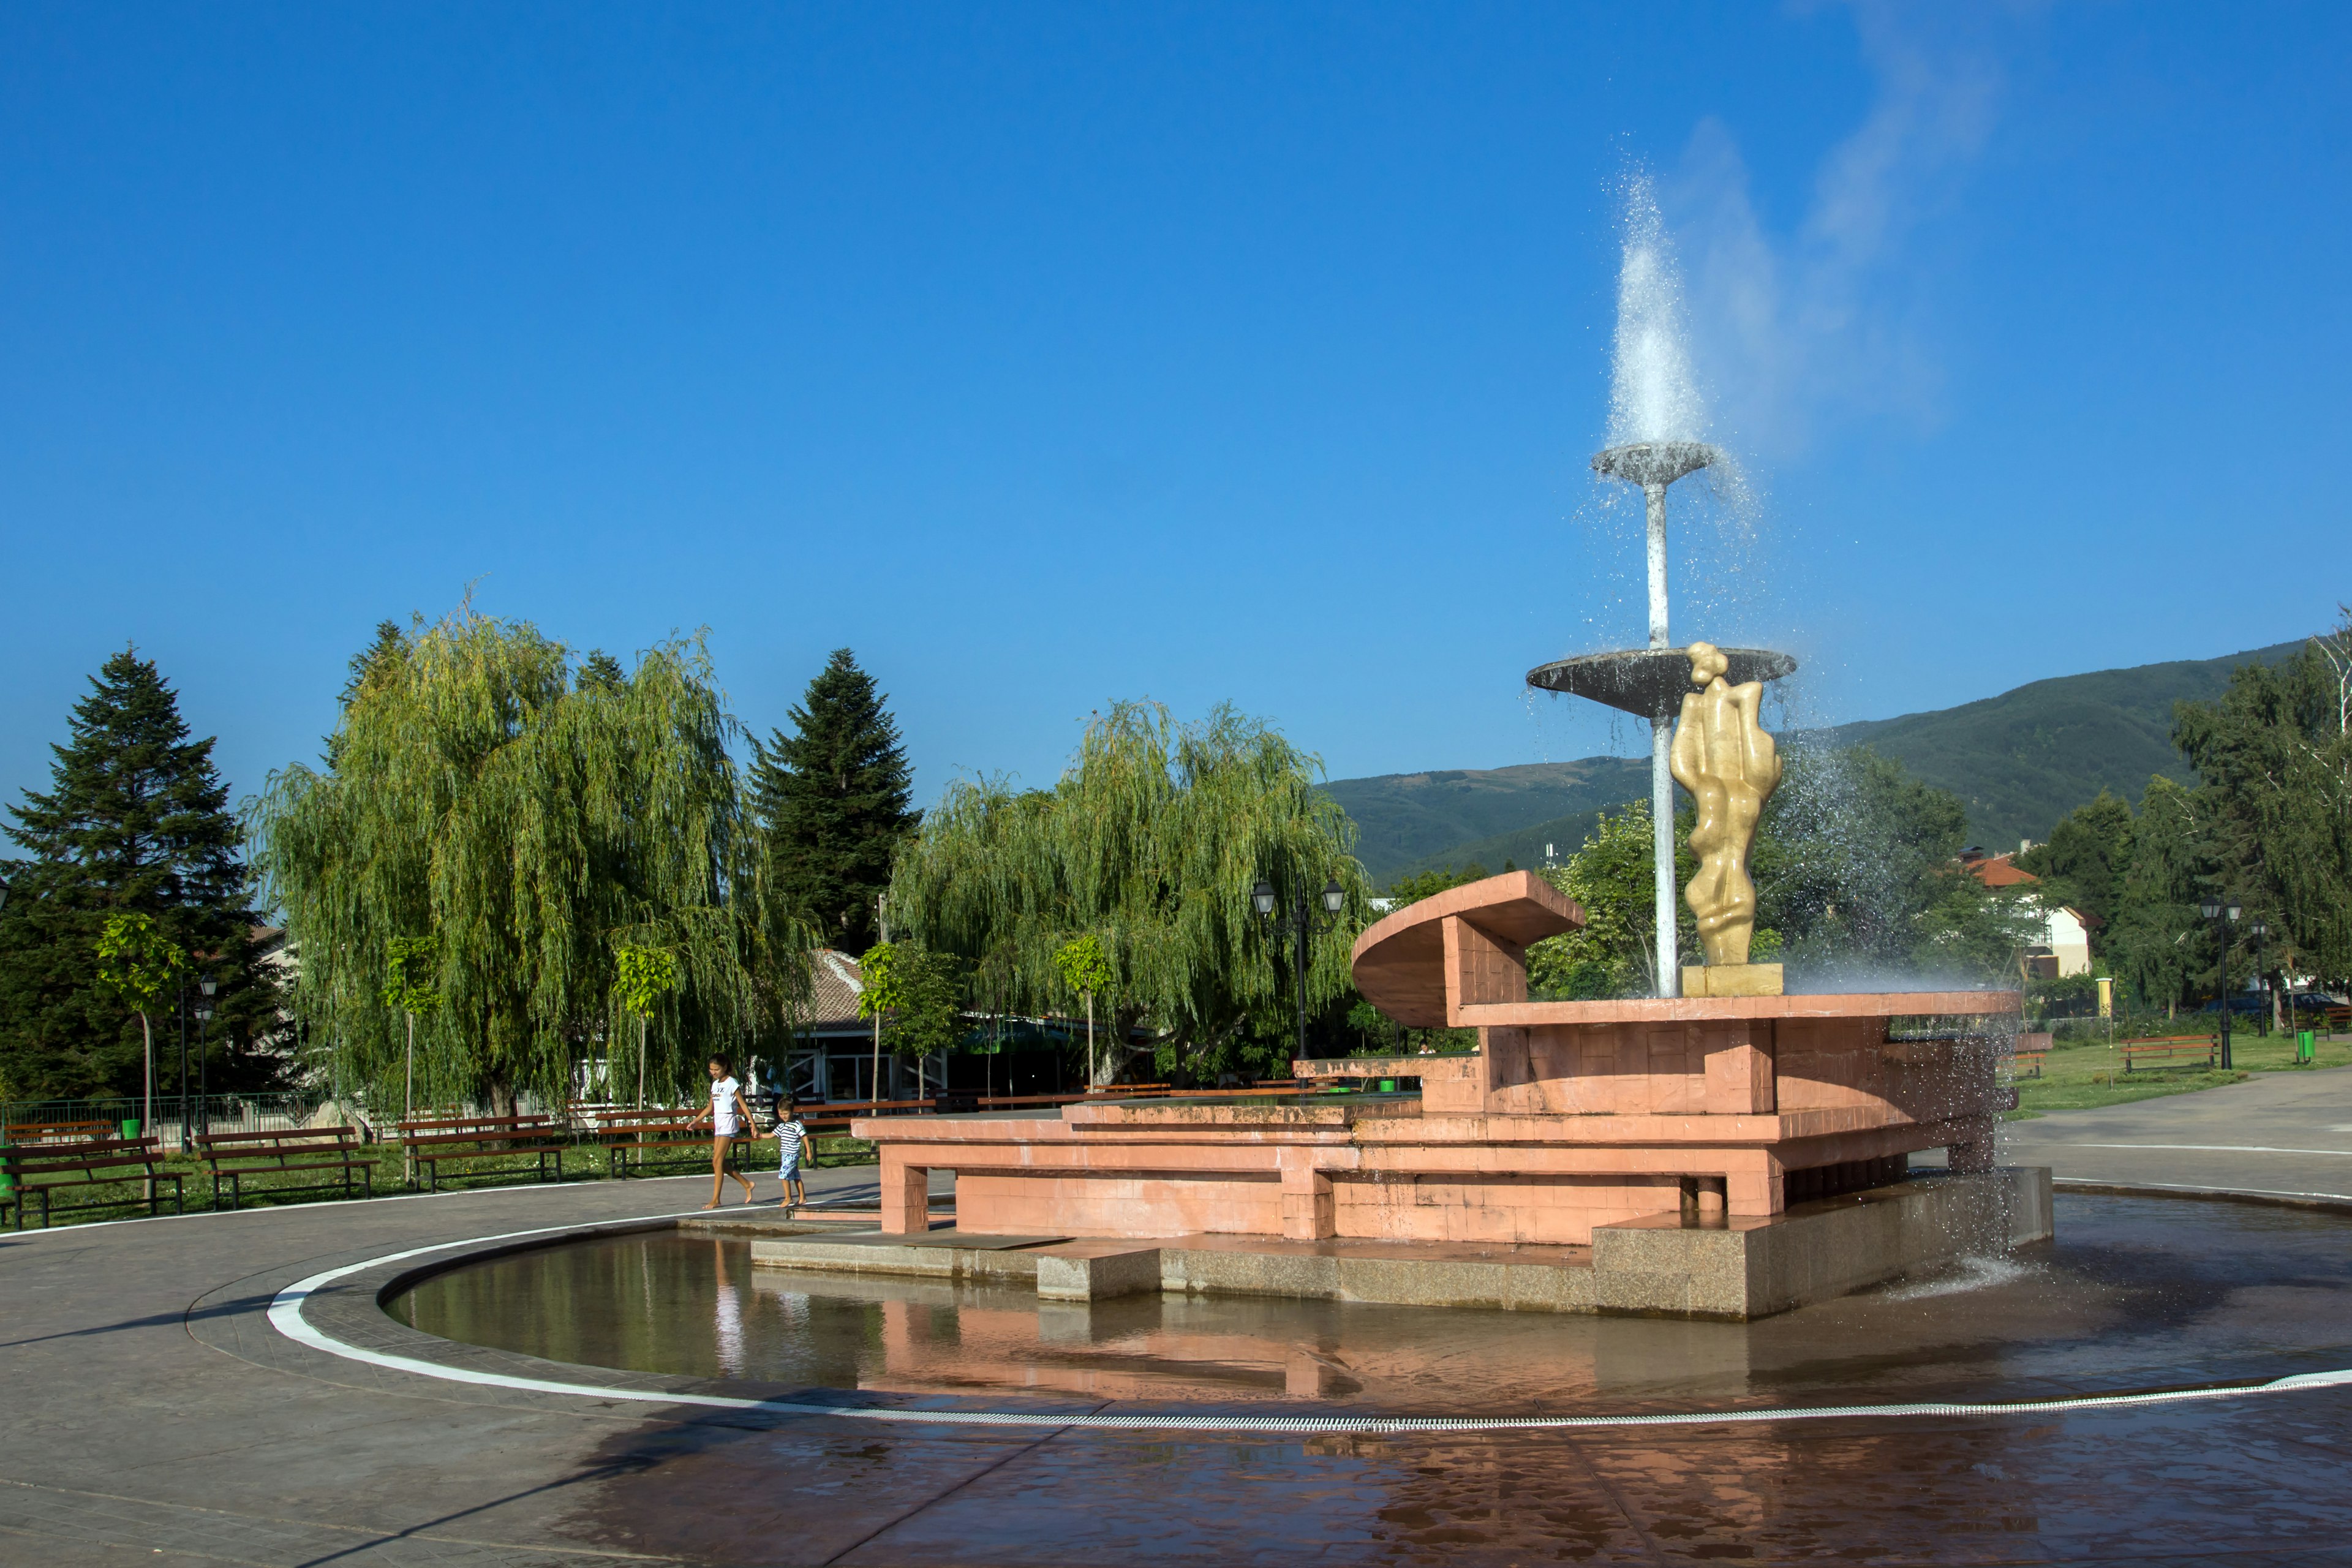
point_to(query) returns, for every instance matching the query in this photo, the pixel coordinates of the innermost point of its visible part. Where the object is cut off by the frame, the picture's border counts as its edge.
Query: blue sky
(1051, 355)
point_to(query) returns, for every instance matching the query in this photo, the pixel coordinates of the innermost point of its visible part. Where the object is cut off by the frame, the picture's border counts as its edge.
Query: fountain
(1721, 1148)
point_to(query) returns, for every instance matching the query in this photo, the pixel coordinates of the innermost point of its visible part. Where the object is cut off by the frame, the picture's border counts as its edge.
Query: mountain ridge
(2019, 761)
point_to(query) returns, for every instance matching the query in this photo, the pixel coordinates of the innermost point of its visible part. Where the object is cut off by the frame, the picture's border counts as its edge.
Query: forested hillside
(2019, 761)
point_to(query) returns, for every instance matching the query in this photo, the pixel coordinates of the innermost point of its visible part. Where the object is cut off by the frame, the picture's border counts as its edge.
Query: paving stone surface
(154, 1417)
(2276, 1133)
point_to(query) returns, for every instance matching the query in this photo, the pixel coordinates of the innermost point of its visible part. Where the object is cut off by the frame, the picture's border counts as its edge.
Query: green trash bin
(2305, 1045)
(129, 1127)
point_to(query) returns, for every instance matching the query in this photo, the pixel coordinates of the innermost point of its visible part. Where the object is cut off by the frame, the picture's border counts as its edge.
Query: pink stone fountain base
(1569, 1116)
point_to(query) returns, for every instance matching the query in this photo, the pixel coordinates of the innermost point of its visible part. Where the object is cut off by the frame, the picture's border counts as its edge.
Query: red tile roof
(1996, 871)
(836, 982)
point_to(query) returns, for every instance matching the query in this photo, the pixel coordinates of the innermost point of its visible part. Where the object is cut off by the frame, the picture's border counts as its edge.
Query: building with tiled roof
(2063, 945)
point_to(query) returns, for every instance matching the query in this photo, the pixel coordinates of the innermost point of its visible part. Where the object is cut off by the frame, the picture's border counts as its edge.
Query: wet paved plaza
(2138, 1294)
(157, 1418)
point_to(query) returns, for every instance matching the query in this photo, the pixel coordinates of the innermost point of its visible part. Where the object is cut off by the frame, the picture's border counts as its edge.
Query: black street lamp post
(1302, 922)
(187, 1123)
(2223, 914)
(203, 1018)
(2259, 929)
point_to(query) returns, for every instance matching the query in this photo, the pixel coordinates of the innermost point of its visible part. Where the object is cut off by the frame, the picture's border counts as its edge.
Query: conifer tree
(136, 822)
(832, 799)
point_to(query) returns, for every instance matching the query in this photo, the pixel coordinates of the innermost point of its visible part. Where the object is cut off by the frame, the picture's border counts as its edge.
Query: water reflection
(2134, 1293)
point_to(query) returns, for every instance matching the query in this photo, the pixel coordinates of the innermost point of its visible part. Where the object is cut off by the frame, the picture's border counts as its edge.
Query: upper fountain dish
(1649, 463)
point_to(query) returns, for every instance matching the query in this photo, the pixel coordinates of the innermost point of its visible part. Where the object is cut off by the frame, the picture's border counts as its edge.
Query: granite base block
(1099, 1277)
(1652, 1266)
(1816, 1251)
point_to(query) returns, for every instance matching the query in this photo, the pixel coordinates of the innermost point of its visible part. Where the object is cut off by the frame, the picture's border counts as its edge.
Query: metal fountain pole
(1661, 778)
(1650, 682)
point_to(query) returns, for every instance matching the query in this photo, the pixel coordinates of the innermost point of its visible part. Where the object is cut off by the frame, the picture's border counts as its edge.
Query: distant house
(2063, 945)
(833, 1048)
(832, 1054)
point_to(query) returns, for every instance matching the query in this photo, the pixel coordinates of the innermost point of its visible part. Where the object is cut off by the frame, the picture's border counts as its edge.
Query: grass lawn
(2080, 1077)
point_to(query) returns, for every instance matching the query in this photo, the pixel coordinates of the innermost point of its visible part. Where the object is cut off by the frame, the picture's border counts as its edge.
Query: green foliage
(1856, 874)
(137, 962)
(1419, 885)
(412, 974)
(643, 977)
(832, 803)
(2152, 943)
(1856, 868)
(2269, 826)
(135, 822)
(878, 970)
(1151, 841)
(1433, 821)
(1611, 877)
(917, 994)
(473, 790)
(2274, 753)
(2020, 761)
(1083, 965)
(600, 672)
(2084, 865)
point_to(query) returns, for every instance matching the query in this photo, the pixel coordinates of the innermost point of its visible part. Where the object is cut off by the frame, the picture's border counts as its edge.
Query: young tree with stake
(1085, 971)
(878, 996)
(413, 961)
(647, 975)
(138, 964)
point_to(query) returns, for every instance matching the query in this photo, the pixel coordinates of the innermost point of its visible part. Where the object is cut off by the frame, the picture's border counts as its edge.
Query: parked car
(2247, 1005)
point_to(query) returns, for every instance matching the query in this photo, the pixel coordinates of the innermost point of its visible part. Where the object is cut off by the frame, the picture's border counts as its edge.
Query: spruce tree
(136, 822)
(832, 799)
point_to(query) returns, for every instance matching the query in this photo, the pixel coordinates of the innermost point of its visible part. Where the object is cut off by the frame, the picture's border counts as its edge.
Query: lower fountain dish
(1649, 683)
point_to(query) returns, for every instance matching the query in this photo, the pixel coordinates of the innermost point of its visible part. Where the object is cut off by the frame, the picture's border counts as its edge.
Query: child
(729, 1118)
(791, 1138)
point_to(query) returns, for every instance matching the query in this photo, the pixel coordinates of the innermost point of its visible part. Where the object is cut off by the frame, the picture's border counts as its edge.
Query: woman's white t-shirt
(722, 1108)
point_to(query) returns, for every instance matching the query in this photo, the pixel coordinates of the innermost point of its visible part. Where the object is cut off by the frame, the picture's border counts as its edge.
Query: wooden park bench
(2173, 1050)
(329, 1154)
(428, 1144)
(656, 1136)
(35, 1171)
(2032, 1049)
(60, 1131)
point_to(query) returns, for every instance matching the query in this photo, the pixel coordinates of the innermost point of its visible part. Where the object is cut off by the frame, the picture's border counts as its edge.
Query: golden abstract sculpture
(1728, 763)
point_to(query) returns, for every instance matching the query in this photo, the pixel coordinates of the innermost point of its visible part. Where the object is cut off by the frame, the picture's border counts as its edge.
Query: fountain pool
(2134, 1294)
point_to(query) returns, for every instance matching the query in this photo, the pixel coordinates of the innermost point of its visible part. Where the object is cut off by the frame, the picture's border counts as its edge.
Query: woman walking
(730, 1120)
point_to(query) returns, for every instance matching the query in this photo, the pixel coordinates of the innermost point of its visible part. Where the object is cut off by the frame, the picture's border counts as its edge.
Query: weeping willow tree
(537, 820)
(1150, 843)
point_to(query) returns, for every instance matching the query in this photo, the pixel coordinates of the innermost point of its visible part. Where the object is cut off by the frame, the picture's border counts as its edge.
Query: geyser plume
(1653, 395)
